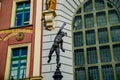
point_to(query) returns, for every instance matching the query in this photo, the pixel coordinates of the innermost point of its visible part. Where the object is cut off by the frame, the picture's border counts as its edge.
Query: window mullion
(23, 12)
(19, 63)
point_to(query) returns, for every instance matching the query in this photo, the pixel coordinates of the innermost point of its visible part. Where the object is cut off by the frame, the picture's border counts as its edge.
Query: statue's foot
(48, 61)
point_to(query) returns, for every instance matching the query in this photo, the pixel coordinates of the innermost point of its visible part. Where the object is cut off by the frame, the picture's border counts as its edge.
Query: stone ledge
(34, 78)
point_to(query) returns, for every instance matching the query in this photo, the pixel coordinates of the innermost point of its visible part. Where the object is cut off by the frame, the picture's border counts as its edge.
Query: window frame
(19, 59)
(22, 12)
(13, 15)
(108, 6)
(9, 56)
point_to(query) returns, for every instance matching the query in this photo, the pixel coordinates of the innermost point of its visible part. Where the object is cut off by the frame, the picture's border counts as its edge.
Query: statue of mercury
(57, 45)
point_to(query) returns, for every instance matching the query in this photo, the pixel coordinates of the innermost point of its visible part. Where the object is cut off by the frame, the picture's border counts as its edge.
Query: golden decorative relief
(49, 15)
(51, 4)
(12, 32)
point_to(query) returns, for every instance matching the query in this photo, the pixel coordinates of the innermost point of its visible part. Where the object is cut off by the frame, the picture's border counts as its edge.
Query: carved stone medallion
(20, 36)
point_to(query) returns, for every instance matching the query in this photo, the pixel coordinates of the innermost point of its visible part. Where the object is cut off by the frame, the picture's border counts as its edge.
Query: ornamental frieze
(19, 33)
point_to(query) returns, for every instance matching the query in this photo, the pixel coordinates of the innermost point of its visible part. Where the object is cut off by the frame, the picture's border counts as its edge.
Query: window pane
(88, 6)
(117, 71)
(19, 19)
(23, 68)
(14, 74)
(15, 52)
(93, 73)
(116, 52)
(14, 69)
(80, 74)
(79, 11)
(89, 21)
(103, 35)
(26, 16)
(113, 17)
(19, 6)
(109, 5)
(24, 51)
(115, 33)
(22, 73)
(79, 57)
(27, 5)
(101, 19)
(78, 39)
(14, 64)
(90, 37)
(92, 55)
(99, 4)
(77, 22)
(23, 63)
(105, 54)
(107, 72)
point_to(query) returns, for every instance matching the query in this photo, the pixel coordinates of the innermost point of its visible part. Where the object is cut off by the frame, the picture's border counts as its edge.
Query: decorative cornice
(6, 34)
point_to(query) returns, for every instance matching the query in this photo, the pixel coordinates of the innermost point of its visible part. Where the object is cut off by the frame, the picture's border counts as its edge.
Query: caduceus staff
(57, 45)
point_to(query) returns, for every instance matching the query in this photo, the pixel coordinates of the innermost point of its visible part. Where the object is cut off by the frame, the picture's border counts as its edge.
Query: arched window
(96, 41)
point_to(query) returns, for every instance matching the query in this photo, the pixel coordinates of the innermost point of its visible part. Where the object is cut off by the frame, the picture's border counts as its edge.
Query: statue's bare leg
(50, 54)
(58, 57)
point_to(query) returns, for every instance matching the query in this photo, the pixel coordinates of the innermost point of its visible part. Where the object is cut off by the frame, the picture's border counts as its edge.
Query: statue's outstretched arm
(61, 28)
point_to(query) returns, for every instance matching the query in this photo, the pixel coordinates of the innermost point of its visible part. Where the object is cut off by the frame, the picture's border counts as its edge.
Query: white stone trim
(37, 45)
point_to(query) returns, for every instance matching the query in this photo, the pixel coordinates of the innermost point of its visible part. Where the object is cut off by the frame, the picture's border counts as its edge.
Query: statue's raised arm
(61, 28)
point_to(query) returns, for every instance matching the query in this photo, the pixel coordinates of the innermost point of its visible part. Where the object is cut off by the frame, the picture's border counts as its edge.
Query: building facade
(92, 44)
(19, 59)
(93, 39)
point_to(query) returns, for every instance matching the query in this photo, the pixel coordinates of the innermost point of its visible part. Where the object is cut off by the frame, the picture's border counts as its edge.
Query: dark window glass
(78, 39)
(101, 19)
(90, 37)
(107, 72)
(79, 11)
(24, 51)
(115, 33)
(15, 53)
(77, 23)
(88, 6)
(105, 54)
(89, 21)
(19, 19)
(103, 35)
(93, 73)
(92, 56)
(79, 57)
(80, 74)
(116, 52)
(99, 4)
(113, 17)
(117, 71)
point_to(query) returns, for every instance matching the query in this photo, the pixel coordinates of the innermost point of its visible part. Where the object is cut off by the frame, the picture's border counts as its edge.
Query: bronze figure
(57, 45)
